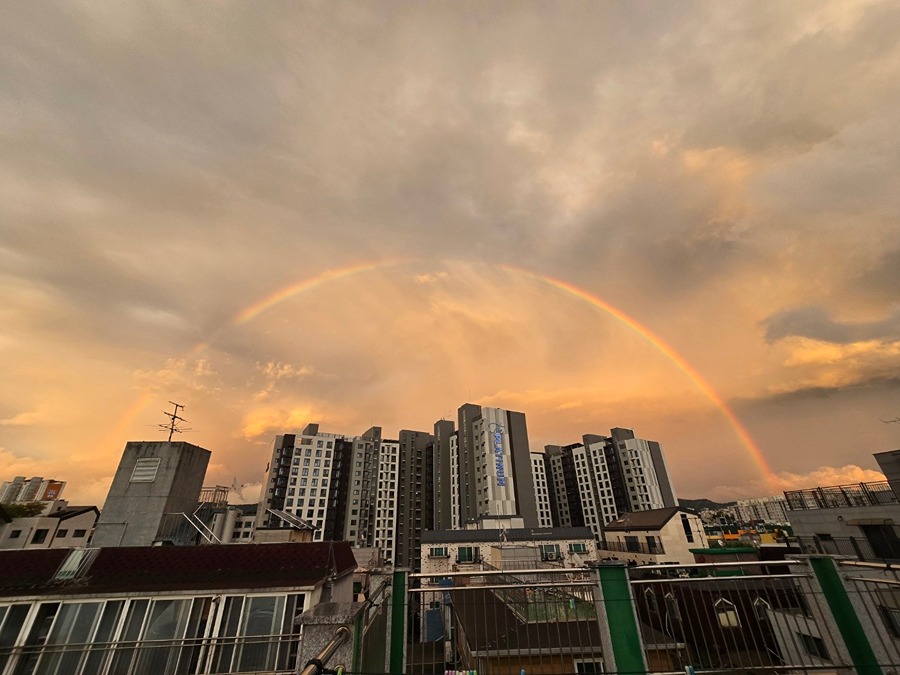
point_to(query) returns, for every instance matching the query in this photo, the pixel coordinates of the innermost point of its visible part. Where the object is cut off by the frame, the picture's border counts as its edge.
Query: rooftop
(512, 534)
(652, 519)
(171, 568)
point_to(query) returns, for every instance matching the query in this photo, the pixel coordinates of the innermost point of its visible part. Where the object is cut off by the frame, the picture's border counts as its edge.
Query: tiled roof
(653, 519)
(173, 568)
(532, 534)
(23, 571)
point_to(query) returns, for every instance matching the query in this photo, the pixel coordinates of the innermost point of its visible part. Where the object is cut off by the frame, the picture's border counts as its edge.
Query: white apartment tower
(298, 481)
(595, 482)
(541, 490)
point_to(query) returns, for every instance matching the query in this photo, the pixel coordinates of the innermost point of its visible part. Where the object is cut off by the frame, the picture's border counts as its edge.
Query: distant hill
(700, 504)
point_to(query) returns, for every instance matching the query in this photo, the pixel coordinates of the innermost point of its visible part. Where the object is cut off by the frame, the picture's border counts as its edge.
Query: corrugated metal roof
(512, 534)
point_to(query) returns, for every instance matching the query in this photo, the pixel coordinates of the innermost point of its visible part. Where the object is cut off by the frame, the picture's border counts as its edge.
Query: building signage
(497, 443)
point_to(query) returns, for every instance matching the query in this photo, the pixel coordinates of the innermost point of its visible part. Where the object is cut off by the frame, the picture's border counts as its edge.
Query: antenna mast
(174, 419)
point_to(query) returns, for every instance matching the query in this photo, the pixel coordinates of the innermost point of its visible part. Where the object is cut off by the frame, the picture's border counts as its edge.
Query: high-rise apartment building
(542, 489)
(368, 490)
(483, 469)
(37, 489)
(300, 483)
(596, 481)
(416, 495)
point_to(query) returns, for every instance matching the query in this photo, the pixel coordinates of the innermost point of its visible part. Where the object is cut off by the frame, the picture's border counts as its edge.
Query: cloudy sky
(357, 214)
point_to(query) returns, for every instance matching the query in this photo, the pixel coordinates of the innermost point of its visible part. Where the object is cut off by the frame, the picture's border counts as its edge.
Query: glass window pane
(231, 617)
(196, 630)
(10, 626)
(73, 626)
(101, 645)
(37, 636)
(165, 627)
(134, 621)
(262, 618)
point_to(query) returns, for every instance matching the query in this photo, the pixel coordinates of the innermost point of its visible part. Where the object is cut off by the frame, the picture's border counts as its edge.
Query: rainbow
(252, 311)
(257, 308)
(669, 352)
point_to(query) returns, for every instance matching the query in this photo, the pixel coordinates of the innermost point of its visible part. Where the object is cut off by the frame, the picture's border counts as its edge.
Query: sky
(681, 218)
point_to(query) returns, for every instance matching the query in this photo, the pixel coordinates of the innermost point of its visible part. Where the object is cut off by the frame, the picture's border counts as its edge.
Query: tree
(26, 510)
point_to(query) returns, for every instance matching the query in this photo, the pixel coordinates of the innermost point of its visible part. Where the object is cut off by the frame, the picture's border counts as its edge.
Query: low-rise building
(67, 527)
(506, 549)
(654, 537)
(165, 609)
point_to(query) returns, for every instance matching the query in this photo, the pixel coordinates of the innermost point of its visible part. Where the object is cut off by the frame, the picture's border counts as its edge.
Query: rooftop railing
(772, 617)
(841, 496)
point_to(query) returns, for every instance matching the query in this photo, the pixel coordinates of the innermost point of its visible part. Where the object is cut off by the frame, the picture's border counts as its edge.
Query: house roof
(534, 534)
(654, 519)
(72, 511)
(175, 568)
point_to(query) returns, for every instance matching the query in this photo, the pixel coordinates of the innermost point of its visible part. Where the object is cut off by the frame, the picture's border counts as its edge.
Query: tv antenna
(174, 419)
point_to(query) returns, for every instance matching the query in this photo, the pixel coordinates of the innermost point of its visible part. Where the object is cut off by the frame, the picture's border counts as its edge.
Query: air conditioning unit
(551, 556)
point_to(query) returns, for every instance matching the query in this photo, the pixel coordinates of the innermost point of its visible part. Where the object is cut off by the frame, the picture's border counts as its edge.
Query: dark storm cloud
(871, 389)
(815, 322)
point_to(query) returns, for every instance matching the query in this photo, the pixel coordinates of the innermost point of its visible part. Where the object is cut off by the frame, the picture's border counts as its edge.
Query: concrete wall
(835, 522)
(134, 511)
(495, 554)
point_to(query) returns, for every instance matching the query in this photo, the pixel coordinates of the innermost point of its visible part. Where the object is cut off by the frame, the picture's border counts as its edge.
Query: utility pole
(174, 419)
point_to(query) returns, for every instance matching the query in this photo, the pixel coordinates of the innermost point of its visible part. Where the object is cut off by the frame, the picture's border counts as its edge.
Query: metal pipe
(315, 666)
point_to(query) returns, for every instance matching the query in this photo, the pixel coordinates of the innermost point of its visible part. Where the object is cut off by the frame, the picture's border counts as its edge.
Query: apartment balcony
(632, 547)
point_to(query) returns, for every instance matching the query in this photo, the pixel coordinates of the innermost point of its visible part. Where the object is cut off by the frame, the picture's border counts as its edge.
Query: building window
(40, 536)
(588, 667)
(145, 470)
(813, 645)
(79, 533)
(672, 609)
(761, 609)
(727, 614)
(15, 534)
(549, 551)
(61, 533)
(467, 554)
(438, 552)
(686, 525)
(891, 618)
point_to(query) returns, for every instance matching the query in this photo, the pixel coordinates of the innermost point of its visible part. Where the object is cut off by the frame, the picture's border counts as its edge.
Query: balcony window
(438, 552)
(467, 554)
